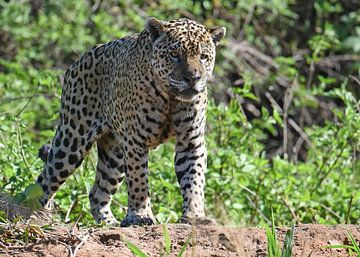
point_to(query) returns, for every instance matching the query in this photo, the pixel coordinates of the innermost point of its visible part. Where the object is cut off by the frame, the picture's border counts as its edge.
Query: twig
(332, 73)
(300, 131)
(67, 247)
(287, 102)
(296, 148)
(244, 46)
(96, 6)
(75, 224)
(187, 14)
(71, 207)
(73, 249)
(77, 247)
(273, 102)
(328, 172)
(248, 19)
(292, 211)
(17, 98)
(247, 190)
(331, 61)
(19, 141)
(311, 74)
(331, 211)
(28, 102)
(257, 209)
(303, 135)
(138, 10)
(355, 79)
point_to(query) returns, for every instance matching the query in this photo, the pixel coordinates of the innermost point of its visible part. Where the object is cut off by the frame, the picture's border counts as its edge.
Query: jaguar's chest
(152, 125)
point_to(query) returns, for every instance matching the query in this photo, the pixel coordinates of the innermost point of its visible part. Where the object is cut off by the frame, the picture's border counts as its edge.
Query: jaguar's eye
(174, 54)
(204, 56)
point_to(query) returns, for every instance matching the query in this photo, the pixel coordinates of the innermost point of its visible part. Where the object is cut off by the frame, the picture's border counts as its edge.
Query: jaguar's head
(183, 55)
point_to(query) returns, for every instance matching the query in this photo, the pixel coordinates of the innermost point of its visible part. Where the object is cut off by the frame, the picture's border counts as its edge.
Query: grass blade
(166, 239)
(183, 248)
(273, 247)
(288, 244)
(269, 242)
(3, 216)
(135, 250)
(354, 244)
(276, 250)
(340, 247)
(354, 247)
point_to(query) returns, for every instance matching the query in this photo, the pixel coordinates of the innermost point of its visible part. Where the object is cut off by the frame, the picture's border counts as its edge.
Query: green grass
(167, 245)
(167, 240)
(273, 246)
(135, 250)
(353, 248)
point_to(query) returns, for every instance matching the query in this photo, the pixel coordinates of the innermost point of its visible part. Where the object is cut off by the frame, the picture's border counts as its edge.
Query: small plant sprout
(273, 244)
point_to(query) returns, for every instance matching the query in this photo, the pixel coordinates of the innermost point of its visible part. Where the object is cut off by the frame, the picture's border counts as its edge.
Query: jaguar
(128, 96)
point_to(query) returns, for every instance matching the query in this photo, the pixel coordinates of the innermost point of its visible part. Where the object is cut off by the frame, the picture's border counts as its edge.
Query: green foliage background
(283, 122)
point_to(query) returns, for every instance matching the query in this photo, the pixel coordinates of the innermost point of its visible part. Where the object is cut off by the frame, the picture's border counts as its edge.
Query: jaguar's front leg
(190, 166)
(139, 209)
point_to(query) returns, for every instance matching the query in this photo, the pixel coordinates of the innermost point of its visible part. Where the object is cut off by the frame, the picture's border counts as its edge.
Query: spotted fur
(129, 96)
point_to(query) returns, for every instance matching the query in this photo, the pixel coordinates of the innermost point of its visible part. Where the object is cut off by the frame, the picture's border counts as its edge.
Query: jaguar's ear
(217, 34)
(155, 28)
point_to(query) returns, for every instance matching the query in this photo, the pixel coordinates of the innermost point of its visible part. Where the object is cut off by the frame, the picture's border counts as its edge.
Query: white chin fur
(200, 86)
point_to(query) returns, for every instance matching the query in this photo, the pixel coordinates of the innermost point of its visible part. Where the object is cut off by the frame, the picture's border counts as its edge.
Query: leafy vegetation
(30, 197)
(283, 121)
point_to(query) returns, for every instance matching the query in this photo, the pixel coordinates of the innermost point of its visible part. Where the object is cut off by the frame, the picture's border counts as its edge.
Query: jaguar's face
(183, 55)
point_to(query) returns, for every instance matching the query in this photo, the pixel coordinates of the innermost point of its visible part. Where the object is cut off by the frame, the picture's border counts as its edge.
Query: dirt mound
(206, 241)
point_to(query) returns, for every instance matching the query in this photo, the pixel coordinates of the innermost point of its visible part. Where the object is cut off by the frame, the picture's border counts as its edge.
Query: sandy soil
(206, 241)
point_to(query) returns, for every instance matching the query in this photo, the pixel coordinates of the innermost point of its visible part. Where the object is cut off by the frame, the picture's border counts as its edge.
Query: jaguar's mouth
(188, 94)
(183, 91)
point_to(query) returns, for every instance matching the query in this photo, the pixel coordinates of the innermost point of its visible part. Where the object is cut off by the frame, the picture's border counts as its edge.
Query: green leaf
(237, 206)
(183, 248)
(33, 191)
(3, 216)
(354, 244)
(277, 117)
(166, 239)
(339, 246)
(19, 198)
(288, 244)
(135, 250)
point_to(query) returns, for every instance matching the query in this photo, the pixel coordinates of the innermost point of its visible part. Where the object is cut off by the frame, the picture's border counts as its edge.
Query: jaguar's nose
(191, 78)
